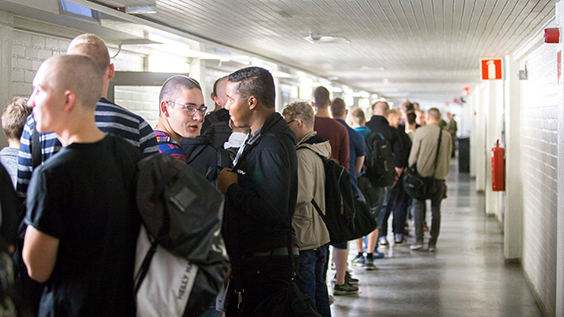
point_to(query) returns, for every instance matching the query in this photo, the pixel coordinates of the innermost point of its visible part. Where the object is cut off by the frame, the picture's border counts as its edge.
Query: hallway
(466, 276)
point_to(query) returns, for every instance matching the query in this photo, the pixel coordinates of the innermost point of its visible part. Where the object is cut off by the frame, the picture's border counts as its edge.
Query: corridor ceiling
(423, 50)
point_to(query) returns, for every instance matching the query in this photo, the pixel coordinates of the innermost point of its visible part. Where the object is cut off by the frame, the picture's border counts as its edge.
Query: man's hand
(225, 178)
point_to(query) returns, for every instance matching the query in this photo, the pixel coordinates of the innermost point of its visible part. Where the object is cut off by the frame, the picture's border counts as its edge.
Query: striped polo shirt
(110, 118)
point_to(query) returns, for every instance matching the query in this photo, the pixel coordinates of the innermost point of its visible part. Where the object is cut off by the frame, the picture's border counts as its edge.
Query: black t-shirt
(85, 197)
(8, 210)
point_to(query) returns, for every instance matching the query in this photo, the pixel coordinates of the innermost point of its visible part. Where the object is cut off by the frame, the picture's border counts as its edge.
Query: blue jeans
(311, 277)
(385, 213)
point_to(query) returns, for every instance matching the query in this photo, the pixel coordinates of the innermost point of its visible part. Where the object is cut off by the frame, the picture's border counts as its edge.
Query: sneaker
(384, 241)
(345, 289)
(398, 239)
(379, 255)
(432, 247)
(348, 279)
(351, 280)
(369, 265)
(358, 260)
(417, 245)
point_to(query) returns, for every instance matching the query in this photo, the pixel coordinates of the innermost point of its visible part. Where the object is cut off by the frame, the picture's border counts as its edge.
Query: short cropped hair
(321, 97)
(407, 106)
(79, 74)
(174, 85)
(92, 46)
(300, 110)
(381, 107)
(411, 116)
(338, 107)
(14, 117)
(357, 116)
(216, 83)
(394, 112)
(435, 114)
(255, 81)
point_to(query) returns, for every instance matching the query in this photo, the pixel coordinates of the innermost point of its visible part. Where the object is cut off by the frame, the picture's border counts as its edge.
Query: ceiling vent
(316, 38)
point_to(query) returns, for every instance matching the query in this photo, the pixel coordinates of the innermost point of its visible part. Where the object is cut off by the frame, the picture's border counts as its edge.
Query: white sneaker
(417, 246)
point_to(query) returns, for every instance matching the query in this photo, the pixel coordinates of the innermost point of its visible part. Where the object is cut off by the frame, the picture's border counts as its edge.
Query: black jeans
(419, 210)
(261, 277)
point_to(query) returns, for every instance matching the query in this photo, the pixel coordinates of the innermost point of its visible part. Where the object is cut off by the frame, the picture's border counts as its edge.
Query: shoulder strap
(313, 202)
(35, 148)
(438, 149)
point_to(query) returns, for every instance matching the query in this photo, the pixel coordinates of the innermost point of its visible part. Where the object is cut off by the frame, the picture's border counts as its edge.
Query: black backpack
(339, 201)
(379, 161)
(218, 132)
(182, 213)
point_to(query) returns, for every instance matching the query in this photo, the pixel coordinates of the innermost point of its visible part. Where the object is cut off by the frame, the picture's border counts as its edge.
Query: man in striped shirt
(110, 118)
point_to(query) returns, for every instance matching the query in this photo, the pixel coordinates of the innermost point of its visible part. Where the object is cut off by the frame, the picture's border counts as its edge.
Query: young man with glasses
(181, 113)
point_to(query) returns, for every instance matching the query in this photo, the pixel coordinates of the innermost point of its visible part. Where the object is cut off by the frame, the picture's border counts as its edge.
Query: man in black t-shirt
(81, 211)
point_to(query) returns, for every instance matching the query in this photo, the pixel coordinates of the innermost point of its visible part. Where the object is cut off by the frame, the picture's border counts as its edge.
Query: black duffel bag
(364, 222)
(418, 187)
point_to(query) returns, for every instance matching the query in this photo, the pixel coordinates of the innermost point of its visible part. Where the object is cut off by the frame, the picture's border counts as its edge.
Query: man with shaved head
(181, 113)
(82, 214)
(424, 155)
(37, 147)
(110, 117)
(216, 126)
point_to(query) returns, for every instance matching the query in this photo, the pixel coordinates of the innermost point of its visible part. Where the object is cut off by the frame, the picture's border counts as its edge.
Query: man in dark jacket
(216, 126)
(379, 124)
(261, 190)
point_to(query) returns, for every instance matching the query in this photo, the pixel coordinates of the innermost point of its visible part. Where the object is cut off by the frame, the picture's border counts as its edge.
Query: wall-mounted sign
(491, 69)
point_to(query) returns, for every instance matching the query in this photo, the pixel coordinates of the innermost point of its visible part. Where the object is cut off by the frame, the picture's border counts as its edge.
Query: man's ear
(253, 102)
(299, 123)
(70, 100)
(164, 108)
(111, 71)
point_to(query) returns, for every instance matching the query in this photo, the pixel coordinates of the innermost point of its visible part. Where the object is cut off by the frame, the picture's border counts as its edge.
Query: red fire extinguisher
(498, 168)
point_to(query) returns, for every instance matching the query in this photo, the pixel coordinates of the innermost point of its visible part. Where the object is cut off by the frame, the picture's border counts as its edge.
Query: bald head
(174, 86)
(380, 108)
(76, 73)
(338, 108)
(93, 47)
(321, 97)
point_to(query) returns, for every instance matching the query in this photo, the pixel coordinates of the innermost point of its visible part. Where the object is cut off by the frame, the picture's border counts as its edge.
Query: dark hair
(215, 84)
(411, 116)
(407, 107)
(321, 97)
(255, 81)
(173, 85)
(338, 107)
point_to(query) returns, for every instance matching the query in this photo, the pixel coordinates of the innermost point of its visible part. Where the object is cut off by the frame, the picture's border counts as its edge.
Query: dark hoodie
(261, 206)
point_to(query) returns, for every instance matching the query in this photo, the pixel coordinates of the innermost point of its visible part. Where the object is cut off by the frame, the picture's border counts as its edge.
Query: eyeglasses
(191, 110)
(288, 122)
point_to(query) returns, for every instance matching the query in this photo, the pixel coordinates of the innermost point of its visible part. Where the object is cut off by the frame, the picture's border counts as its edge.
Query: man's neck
(85, 132)
(217, 107)
(323, 113)
(340, 118)
(14, 143)
(163, 125)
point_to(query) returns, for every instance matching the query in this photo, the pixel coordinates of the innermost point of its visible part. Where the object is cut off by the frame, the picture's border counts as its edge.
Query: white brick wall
(144, 101)
(539, 169)
(28, 51)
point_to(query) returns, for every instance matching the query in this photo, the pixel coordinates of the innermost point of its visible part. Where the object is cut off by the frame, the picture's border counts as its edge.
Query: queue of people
(73, 159)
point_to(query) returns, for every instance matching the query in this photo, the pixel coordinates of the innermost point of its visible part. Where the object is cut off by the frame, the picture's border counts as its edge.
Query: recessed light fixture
(139, 9)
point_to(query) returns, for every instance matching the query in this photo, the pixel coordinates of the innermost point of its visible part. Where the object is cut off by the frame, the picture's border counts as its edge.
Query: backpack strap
(313, 202)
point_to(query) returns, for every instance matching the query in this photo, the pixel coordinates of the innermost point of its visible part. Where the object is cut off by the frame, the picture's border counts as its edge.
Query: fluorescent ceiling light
(335, 89)
(279, 74)
(141, 9)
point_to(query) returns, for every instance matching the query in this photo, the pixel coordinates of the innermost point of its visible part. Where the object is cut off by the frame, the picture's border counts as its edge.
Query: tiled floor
(466, 276)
